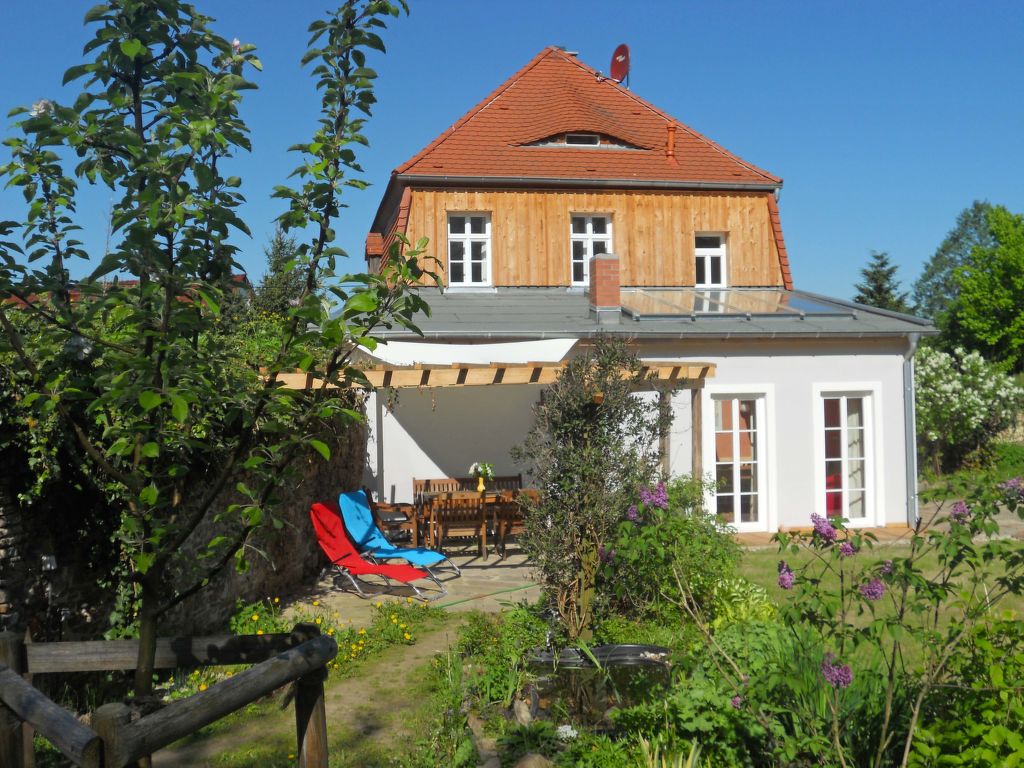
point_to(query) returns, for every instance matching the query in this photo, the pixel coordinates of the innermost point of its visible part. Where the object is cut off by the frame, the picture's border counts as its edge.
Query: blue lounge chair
(370, 541)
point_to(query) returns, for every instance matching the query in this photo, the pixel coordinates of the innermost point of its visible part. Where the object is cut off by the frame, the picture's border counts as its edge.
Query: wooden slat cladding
(652, 232)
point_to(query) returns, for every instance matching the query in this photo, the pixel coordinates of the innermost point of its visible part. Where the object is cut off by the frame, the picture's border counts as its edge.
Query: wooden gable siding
(652, 232)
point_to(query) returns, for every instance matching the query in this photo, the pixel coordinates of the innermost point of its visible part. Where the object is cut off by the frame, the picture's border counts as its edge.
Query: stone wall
(283, 561)
(12, 566)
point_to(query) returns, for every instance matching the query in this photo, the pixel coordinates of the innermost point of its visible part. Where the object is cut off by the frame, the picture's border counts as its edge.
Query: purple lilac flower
(605, 555)
(736, 701)
(837, 675)
(873, 590)
(960, 513)
(786, 576)
(846, 549)
(886, 568)
(632, 514)
(1013, 489)
(823, 528)
(655, 497)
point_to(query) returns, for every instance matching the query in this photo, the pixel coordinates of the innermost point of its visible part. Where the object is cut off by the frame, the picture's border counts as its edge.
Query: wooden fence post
(12, 748)
(106, 721)
(310, 712)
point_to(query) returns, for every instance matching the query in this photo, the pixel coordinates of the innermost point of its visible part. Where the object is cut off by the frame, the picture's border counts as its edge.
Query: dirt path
(381, 705)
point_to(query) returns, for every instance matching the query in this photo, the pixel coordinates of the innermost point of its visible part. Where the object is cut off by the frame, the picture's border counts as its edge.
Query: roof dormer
(582, 139)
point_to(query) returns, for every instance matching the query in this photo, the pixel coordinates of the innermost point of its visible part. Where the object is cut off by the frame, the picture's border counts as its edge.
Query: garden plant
(185, 439)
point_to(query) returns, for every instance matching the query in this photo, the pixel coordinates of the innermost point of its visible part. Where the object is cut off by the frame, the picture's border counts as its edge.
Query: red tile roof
(557, 93)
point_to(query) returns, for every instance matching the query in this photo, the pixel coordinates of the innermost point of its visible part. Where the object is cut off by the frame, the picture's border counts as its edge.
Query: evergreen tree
(937, 288)
(281, 287)
(880, 287)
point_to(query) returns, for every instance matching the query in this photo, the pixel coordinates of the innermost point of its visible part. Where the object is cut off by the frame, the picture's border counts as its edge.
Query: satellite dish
(620, 63)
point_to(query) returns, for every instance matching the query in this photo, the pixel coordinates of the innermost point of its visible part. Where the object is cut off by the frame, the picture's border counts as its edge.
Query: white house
(564, 206)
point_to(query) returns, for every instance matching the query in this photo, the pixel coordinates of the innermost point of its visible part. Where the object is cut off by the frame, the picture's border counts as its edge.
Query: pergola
(683, 374)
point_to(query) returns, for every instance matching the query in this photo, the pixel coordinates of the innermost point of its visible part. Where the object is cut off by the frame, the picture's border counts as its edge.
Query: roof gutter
(547, 181)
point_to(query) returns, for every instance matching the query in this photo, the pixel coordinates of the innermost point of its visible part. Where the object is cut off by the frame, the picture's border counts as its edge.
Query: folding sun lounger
(371, 542)
(345, 561)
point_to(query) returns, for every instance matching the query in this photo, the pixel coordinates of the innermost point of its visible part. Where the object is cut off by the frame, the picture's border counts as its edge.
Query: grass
(1007, 460)
(761, 567)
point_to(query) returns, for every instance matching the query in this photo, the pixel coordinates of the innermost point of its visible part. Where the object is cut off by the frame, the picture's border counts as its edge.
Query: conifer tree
(282, 285)
(880, 287)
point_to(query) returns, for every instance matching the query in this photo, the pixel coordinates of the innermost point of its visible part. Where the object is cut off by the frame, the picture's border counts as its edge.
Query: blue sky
(884, 119)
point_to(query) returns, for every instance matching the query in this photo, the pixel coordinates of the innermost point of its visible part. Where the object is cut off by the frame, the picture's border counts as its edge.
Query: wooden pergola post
(697, 429)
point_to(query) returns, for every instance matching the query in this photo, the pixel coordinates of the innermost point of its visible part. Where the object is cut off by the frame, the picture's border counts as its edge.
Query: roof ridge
(661, 113)
(477, 109)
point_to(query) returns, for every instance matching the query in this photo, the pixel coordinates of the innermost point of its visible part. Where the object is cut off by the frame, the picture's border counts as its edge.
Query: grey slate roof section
(545, 313)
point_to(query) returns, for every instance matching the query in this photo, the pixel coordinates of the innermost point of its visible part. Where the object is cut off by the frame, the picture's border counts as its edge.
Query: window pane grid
(469, 245)
(589, 236)
(709, 264)
(736, 460)
(845, 458)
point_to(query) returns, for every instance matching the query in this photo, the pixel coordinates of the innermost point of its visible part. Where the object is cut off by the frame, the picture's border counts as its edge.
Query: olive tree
(187, 438)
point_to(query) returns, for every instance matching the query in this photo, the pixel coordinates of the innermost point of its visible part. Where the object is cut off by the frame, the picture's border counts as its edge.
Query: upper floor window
(469, 249)
(710, 260)
(589, 236)
(582, 139)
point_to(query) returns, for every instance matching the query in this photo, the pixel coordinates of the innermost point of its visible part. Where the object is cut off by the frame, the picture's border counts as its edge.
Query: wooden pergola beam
(686, 375)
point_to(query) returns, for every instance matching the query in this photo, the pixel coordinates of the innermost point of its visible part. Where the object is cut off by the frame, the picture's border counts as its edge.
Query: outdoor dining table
(495, 511)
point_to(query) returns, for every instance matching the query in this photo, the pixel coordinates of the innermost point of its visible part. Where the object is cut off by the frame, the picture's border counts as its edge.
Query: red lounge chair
(345, 560)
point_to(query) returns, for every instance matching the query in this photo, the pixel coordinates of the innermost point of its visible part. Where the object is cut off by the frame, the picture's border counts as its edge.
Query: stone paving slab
(485, 584)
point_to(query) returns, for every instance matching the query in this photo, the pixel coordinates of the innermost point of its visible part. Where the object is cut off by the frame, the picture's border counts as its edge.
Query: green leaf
(321, 448)
(179, 408)
(208, 300)
(144, 561)
(362, 302)
(150, 450)
(132, 48)
(149, 495)
(149, 400)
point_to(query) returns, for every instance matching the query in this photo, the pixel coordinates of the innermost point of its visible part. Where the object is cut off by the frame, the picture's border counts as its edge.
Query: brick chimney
(605, 304)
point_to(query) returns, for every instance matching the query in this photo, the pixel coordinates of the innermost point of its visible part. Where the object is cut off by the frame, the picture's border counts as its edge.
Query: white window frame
(588, 239)
(764, 397)
(874, 480)
(706, 255)
(467, 238)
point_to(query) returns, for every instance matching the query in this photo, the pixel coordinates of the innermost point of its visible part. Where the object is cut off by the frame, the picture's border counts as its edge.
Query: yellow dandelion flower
(259, 631)
(354, 646)
(255, 617)
(203, 686)
(362, 631)
(408, 600)
(277, 600)
(316, 603)
(330, 632)
(319, 620)
(195, 673)
(401, 626)
(408, 636)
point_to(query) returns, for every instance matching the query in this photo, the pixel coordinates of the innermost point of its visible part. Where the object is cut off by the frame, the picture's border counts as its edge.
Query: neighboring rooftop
(558, 119)
(537, 313)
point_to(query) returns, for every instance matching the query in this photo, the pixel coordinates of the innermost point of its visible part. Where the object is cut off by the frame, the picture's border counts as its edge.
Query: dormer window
(710, 264)
(582, 139)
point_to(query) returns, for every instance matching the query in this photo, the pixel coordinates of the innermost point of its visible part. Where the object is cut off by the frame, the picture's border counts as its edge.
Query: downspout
(910, 427)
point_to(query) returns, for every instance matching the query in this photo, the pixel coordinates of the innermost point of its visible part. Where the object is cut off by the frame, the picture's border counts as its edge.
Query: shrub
(665, 543)
(495, 647)
(962, 403)
(593, 444)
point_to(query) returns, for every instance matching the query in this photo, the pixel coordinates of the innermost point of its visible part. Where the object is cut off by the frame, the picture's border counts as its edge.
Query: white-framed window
(848, 453)
(589, 235)
(710, 264)
(739, 456)
(582, 139)
(469, 249)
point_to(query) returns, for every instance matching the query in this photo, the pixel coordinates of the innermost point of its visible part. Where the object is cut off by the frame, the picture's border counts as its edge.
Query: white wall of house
(440, 432)
(790, 378)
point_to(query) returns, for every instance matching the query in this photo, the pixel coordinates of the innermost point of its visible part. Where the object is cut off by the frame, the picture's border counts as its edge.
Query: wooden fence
(115, 740)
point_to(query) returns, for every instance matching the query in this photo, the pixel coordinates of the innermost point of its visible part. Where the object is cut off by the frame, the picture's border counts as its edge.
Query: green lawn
(761, 567)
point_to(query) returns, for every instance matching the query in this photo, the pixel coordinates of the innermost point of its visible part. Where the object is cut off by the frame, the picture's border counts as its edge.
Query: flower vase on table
(483, 472)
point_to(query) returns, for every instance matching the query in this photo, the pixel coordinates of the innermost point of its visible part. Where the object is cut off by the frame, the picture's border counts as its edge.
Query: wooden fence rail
(301, 657)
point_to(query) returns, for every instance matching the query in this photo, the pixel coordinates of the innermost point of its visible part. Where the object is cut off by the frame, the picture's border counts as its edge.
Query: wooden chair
(509, 519)
(422, 486)
(398, 521)
(461, 513)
